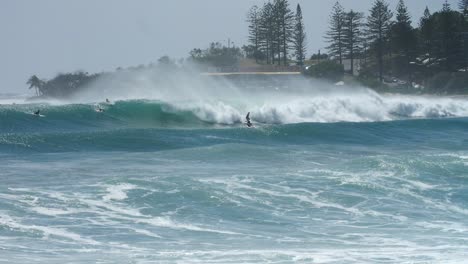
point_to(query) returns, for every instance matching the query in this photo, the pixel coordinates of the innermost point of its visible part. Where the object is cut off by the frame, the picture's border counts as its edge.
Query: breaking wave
(364, 106)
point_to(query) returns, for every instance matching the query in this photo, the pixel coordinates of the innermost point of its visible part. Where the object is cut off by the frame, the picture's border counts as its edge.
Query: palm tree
(35, 82)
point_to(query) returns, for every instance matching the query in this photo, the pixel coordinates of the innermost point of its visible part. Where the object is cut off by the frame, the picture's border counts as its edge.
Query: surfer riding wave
(247, 120)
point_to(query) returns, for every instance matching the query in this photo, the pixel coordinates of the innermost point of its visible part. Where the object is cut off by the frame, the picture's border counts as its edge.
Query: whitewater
(327, 175)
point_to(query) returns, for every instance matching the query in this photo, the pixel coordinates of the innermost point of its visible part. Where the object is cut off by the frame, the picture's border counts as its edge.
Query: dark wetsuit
(247, 118)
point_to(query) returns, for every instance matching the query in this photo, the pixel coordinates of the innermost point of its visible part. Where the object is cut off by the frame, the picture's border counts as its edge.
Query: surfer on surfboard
(99, 109)
(247, 120)
(38, 112)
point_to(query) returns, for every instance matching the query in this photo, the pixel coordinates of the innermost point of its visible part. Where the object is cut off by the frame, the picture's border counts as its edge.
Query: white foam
(344, 105)
(167, 222)
(305, 100)
(369, 254)
(421, 185)
(146, 233)
(111, 208)
(445, 226)
(118, 192)
(240, 189)
(215, 112)
(46, 231)
(55, 211)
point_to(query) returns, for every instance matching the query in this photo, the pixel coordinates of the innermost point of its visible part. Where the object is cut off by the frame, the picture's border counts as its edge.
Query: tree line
(385, 42)
(274, 31)
(388, 45)
(61, 85)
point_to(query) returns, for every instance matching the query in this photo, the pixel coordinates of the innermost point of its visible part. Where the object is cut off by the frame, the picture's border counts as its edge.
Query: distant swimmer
(247, 120)
(99, 109)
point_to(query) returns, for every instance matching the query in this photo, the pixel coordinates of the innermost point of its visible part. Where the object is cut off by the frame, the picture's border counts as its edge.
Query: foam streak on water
(175, 182)
(178, 206)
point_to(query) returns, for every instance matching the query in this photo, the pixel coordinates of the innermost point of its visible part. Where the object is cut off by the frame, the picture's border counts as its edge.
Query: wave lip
(361, 106)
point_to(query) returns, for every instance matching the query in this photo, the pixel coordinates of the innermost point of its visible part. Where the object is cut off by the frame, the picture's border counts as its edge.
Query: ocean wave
(445, 133)
(362, 106)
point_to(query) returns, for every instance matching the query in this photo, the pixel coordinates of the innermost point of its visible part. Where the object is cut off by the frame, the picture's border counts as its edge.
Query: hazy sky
(50, 36)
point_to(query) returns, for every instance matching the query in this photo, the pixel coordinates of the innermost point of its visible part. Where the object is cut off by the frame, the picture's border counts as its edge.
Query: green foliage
(64, 85)
(165, 60)
(403, 37)
(319, 56)
(166, 63)
(285, 23)
(403, 41)
(448, 83)
(335, 33)
(378, 28)
(251, 52)
(299, 38)
(367, 79)
(373, 83)
(426, 33)
(271, 31)
(449, 44)
(36, 83)
(327, 69)
(253, 18)
(217, 55)
(463, 5)
(268, 33)
(352, 35)
(443, 39)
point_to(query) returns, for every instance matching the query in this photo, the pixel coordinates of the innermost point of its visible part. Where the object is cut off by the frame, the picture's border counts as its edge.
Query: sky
(47, 37)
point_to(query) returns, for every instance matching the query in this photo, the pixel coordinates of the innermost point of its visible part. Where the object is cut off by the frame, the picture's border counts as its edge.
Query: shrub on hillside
(448, 83)
(328, 70)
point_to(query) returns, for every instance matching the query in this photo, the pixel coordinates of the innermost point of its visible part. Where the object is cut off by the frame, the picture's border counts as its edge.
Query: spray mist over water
(270, 99)
(293, 100)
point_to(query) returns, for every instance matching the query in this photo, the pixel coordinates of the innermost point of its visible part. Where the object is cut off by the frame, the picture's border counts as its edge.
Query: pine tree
(268, 32)
(403, 38)
(352, 35)
(403, 16)
(335, 33)
(463, 6)
(299, 38)
(378, 26)
(426, 30)
(285, 28)
(426, 16)
(446, 7)
(450, 24)
(253, 18)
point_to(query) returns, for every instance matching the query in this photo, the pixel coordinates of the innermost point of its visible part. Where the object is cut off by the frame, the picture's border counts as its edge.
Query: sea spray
(361, 106)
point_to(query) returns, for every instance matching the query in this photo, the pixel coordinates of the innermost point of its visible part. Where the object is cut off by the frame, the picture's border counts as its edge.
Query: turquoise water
(316, 181)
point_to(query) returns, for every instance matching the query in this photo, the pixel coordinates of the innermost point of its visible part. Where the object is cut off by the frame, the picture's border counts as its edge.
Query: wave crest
(362, 106)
